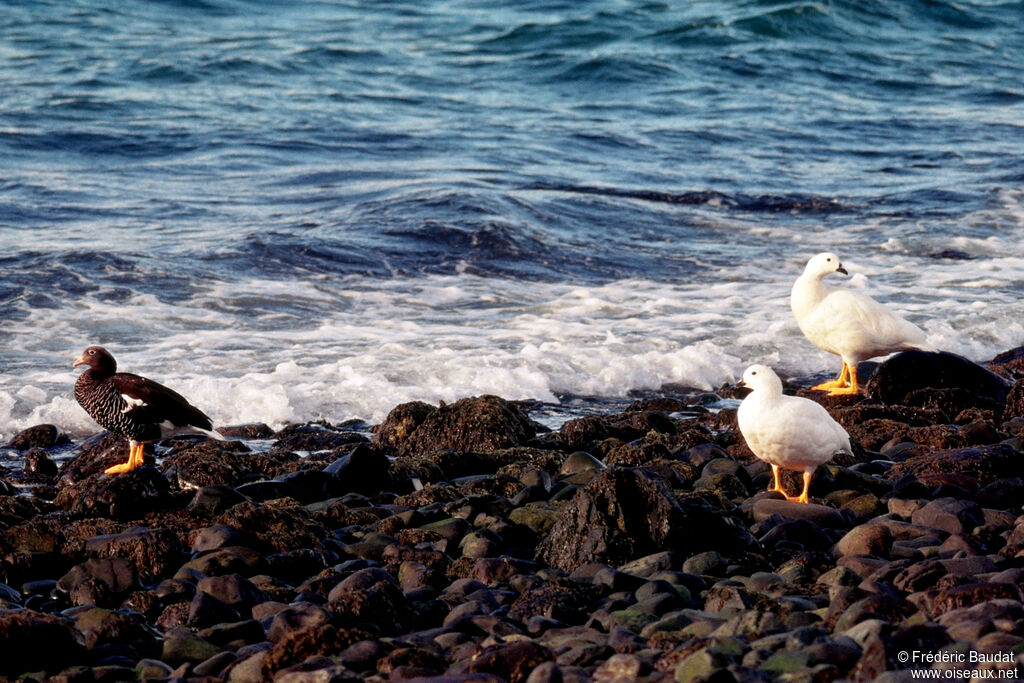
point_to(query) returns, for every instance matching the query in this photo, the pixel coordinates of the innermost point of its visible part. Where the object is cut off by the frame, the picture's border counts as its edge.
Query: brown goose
(135, 407)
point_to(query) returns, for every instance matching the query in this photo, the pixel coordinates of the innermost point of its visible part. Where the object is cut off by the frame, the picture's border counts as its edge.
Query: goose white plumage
(788, 432)
(849, 324)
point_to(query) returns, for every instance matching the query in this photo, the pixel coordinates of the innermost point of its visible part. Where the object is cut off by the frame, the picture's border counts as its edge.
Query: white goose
(790, 432)
(851, 325)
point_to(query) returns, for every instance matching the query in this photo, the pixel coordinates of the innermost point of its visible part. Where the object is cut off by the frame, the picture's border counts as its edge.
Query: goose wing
(151, 402)
(855, 322)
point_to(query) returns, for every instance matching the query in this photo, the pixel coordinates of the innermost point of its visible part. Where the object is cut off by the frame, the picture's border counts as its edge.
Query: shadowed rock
(984, 464)
(128, 496)
(34, 641)
(39, 436)
(623, 514)
(482, 424)
(905, 373)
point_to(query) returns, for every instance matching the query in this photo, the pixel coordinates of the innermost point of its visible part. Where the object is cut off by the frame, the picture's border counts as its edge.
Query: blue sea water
(305, 210)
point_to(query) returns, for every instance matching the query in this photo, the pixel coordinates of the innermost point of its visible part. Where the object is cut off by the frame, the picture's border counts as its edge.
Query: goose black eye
(754, 372)
(829, 260)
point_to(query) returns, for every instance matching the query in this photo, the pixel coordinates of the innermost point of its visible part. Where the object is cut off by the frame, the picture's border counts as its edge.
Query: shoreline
(467, 541)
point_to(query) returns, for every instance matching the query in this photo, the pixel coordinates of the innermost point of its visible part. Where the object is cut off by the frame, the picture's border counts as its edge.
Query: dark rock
(866, 539)
(802, 531)
(843, 615)
(309, 486)
(277, 525)
(315, 437)
(559, 599)
(580, 432)
(207, 610)
(1003, 494)
(481, 424)
(99, 582)
(1014, 402)
(234, 590)
(1009, 363)
(372, 597)
(912, 370)
(494, 570)
(255, 430)
(949, 514)
(39, 436)
(296, 618)
(219, 536)
(950, 599)
(630, 425)
(211, 501)
(634, 453)
(184, 647)
(297, 565)
(919, 576)
(298, 647)
(512, 662)
(984, 464)
(229, 560)
(127, 496)
(363, 470)
(392, 434)
(100, 626)
(624, 514)
(210, 463)
(38, 462)
(95, 455)
(35, 642)
(154, 552)
(821, 515)
(581, 462)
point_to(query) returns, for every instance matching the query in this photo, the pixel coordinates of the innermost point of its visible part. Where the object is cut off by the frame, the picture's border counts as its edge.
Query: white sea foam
(282, 351)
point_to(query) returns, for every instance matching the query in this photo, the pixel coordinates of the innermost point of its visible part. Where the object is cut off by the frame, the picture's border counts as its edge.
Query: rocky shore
(466, 542)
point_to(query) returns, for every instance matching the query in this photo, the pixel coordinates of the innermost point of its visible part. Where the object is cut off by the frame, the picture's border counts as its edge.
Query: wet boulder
(123, 497)
(1015, 402)
(234, 590)
(984, 464)
(373, 597)
(34, 642)
(39, 463)
(623, 514)
(277, 525)
(315, 437)
(154, 552)
(195, 464)
(482, 424)
(560, 599)
(100, 626)
(898, 378)
(95, 455)
(252, 430)
(1009, 363)
(99, 582)
(39, 436)
(362, 470)
(392, 434)
(580, 432)
(511, 662)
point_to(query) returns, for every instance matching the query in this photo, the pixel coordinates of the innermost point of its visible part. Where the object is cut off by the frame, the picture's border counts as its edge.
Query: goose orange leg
(847, 390)
(803, 497)
(776, 485)
(134, 459)
(840, 381)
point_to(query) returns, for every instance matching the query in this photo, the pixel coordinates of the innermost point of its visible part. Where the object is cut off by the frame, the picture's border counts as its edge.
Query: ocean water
(303, 210)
